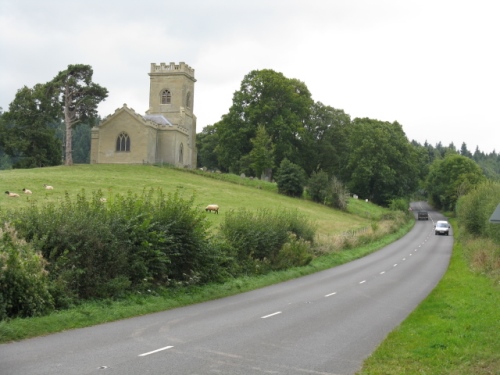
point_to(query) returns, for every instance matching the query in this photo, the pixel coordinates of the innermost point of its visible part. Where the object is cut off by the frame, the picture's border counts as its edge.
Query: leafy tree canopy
(269, 99)
(262, 154)
(382, 164)
(450, 178)
(26, 134)
(77, 98)
(290, 179)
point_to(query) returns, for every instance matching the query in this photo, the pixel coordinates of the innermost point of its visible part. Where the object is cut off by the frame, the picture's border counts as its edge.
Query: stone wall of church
(142, 142)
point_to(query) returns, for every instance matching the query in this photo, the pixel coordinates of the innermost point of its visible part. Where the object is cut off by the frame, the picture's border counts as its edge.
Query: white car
(442, 227)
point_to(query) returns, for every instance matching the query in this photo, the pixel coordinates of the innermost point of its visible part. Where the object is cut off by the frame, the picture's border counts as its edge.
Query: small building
(166, 134)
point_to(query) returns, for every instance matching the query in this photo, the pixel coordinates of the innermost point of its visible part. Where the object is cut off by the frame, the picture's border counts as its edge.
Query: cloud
(431, 66)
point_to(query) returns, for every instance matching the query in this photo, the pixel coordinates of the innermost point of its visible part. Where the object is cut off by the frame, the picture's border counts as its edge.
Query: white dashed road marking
(155, 351)
(273, 314)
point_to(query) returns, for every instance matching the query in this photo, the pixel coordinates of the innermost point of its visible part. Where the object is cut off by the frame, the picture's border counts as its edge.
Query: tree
(324, 144)
(27, 136)
(317, 186)
(206, 141)
(77, 97)
(450, 178)
(382, 164)
(261, 156)
(269, 99)
(290, 179)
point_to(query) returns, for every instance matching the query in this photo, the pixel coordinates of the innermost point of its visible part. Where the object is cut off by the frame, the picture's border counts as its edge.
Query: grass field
(121, 179)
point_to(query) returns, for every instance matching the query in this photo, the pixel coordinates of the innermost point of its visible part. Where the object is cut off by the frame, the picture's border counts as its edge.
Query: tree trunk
(68, 159)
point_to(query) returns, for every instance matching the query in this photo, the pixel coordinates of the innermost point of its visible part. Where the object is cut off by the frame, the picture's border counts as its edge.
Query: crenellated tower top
(172, 68)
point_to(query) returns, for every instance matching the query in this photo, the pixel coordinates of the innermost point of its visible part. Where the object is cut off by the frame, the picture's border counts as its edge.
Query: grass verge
(93, 313)
(455, 330)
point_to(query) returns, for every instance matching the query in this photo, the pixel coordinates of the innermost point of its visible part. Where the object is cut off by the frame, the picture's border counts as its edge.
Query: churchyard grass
(121, 179)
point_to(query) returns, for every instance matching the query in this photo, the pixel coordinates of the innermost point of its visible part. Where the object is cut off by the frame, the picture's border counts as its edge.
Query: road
(325, 323)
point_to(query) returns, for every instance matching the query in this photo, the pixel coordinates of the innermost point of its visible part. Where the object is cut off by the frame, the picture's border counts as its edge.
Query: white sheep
(48, 187)
(13, 195)
(212, 207)
(103, 200)
(27, 191)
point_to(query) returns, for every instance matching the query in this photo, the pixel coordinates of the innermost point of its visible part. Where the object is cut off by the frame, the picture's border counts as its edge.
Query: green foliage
(450, 178)
(324, 144)
(295, 253)
(382, 164)
(24, 285)
(258, 238)
(475, 209)
(317, 186)
(266, 98)
(102, 249)
(291, 179)
(262, 154)
(337, 195)
(400, 204)
(26, 135)
(76, 98)
(206, 142)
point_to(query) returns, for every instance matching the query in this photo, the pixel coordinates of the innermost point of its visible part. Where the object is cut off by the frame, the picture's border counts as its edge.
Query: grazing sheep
(212, 207)
(13, 195)
(48, 187)
(27, 191)
(103, 200)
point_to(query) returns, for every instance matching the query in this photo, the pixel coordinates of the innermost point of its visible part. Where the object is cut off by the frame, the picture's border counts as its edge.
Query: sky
(431, 65)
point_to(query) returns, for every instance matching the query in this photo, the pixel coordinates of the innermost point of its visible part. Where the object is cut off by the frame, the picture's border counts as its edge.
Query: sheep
(27, 191)
(48, 187)
(103, 200)
(12, 195)
(212, 207)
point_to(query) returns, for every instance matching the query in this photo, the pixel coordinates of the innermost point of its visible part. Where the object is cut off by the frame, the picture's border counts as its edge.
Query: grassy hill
(122, 179)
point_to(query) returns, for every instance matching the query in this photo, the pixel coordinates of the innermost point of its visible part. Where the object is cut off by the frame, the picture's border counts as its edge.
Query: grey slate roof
(159, 119)
(495, 217)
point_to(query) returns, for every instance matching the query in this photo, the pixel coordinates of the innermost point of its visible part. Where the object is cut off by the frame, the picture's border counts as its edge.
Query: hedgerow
(90, 248)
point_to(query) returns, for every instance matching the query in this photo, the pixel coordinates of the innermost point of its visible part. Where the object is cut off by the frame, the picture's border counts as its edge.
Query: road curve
(325, 323)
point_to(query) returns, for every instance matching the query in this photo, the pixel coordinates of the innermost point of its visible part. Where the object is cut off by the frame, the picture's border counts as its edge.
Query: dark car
(423, 215)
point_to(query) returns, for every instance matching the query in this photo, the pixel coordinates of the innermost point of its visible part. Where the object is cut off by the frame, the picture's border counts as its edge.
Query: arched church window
(181, 153)
(188, 100)
(166, 97)
(123, 142)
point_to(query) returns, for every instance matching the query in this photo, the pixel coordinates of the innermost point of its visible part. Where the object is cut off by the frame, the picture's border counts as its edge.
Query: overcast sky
(431, 65)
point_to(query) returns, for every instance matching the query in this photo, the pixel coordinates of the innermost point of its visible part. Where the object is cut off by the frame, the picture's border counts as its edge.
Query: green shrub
(290, 179)
(337, 195)
(296, 252)
(103, 249)
(24, 285)
(475, 209)
(258, 237)
(400, 204)
(317, 186)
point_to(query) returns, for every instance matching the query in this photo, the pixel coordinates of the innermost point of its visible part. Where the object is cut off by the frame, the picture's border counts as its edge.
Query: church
(166, 134)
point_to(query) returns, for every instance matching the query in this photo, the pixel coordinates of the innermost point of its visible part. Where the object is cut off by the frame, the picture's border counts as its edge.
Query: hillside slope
(125, 179)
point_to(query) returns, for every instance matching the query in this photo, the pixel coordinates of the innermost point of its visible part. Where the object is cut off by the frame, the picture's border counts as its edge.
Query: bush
(258, 237)
(290, 179)
(475, 209)
(24, 285)
(337, 195)
(400, 204)
(104, 249)
(318, 186)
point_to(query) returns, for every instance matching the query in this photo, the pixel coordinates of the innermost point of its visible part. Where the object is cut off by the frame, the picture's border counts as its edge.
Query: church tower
(171, 95)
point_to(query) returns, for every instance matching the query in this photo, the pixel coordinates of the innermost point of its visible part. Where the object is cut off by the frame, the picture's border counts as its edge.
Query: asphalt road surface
(325, 323)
